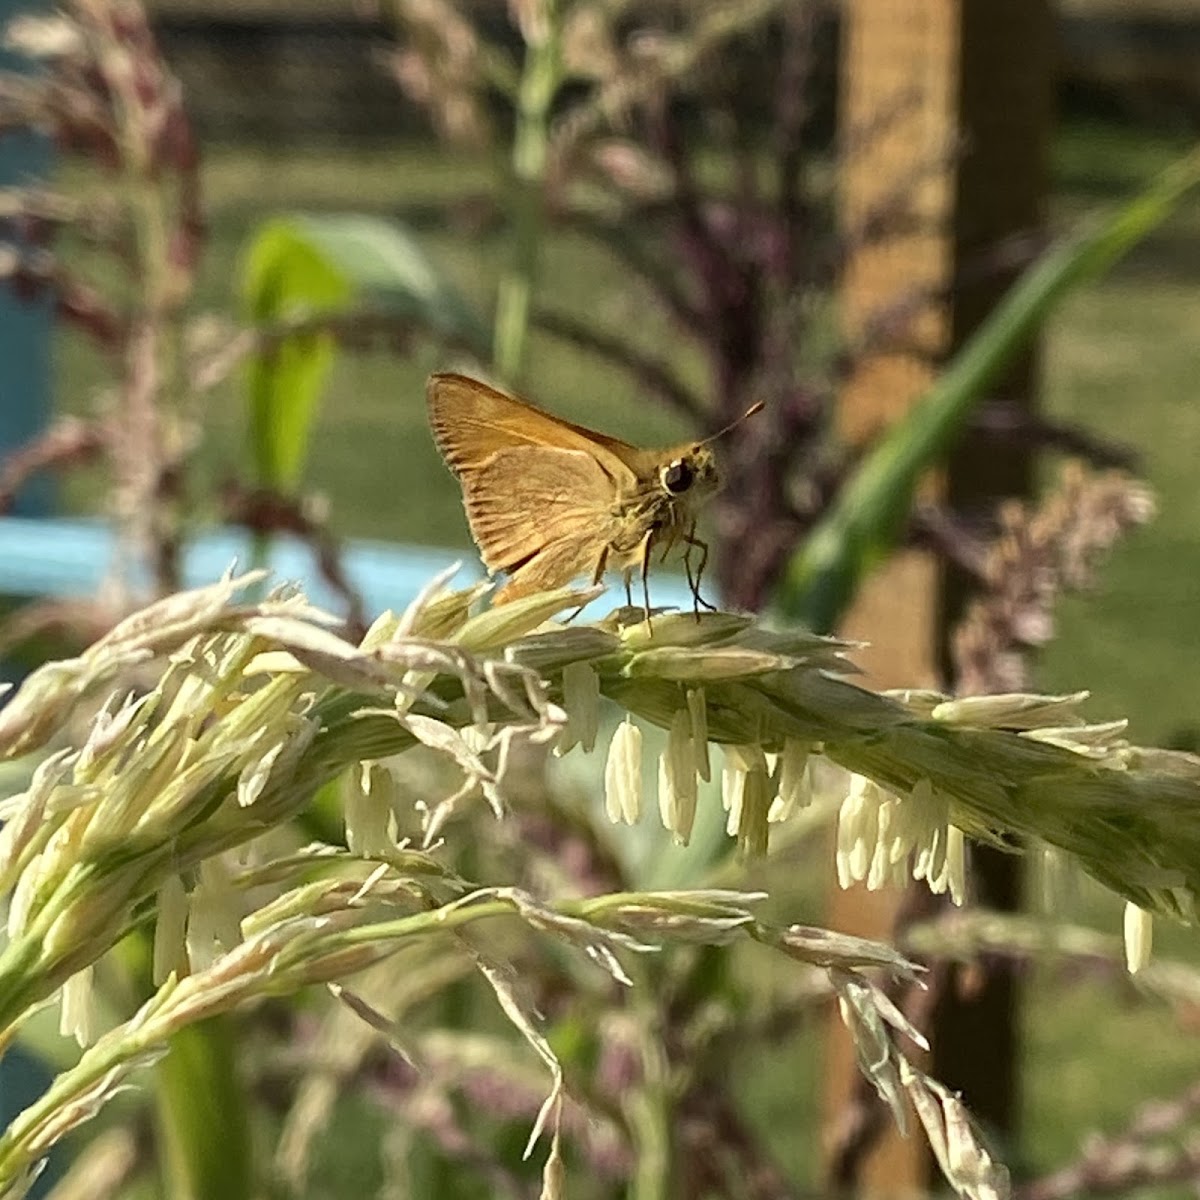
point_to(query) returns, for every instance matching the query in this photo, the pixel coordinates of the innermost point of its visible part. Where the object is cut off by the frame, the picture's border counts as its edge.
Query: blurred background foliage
(1114, 358)
(298, 108)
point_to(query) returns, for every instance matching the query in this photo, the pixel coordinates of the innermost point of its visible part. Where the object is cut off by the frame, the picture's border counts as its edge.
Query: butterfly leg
(645, 554)
(693, 585)
(597, 577)
(693, 541)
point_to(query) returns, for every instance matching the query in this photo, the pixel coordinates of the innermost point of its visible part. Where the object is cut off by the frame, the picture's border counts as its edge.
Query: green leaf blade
(860, 529)
(300, 270)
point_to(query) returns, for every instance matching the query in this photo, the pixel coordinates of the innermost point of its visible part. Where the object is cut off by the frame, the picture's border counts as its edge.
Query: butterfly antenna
(754, 408)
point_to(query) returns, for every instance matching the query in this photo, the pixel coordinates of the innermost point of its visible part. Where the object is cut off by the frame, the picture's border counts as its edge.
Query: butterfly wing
(555, 565)
(547, 501)
(542, 514)
(472, 421)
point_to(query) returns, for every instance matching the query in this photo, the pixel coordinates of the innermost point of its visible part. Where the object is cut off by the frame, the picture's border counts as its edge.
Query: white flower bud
(949, 857)
(795, 781)
(623, 774)
(677, 787)
(367, 805)
(77, 1017)
(255, 774)
(752, 830)
(1139, 937)
(698, 711)
(214, 916)
(858, 830)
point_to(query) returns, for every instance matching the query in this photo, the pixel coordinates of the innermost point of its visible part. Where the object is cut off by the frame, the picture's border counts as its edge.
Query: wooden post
(954, 98)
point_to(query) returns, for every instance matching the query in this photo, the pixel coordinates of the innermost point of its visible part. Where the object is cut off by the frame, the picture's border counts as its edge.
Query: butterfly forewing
(540, 494)
(472, 421)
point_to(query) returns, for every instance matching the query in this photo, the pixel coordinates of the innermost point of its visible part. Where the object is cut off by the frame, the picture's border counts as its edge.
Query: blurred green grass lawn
(1121, 357)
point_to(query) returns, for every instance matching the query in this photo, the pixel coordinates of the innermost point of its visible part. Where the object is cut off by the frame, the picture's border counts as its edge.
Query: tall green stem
(540, 79)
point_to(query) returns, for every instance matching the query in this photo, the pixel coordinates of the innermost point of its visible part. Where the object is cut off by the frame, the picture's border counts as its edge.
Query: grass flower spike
(163, 761)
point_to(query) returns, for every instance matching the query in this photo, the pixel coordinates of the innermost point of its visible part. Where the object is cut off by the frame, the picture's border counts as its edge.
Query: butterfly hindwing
(524, 500)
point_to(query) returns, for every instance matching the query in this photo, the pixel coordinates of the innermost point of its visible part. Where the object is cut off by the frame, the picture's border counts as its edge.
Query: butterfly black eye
(677, 477)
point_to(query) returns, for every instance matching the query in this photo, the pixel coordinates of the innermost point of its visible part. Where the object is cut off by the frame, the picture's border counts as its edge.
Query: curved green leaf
(869, 513)
(299, 270)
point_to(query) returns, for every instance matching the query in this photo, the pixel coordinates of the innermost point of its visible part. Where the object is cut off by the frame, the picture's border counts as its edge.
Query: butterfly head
(690, 474)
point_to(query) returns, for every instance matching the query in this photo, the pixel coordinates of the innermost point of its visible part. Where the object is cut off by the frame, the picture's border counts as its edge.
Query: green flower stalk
(203, 725)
